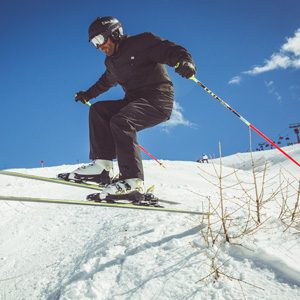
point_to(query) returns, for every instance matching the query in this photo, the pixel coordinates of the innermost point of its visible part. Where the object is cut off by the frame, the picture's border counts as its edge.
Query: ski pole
(243, 119)
(141, 147)
(151, 156)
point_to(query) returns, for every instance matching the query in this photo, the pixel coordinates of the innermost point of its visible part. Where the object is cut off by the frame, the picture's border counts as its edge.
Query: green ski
(69, 183)
(53, 180)
(99, 204)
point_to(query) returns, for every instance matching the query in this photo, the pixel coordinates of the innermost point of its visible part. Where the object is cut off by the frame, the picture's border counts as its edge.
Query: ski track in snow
(50, 251)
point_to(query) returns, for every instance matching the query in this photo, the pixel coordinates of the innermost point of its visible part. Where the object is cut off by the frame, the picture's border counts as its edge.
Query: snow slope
(50, 251)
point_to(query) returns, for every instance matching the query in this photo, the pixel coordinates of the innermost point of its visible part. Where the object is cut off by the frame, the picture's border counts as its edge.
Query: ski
(53, 180)
(69, 183)
(100, 204)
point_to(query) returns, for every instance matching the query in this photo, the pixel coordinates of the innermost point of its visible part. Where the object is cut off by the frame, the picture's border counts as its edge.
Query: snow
(52, 251)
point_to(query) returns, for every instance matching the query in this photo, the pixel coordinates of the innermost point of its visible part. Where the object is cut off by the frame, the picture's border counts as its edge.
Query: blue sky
(247, 52)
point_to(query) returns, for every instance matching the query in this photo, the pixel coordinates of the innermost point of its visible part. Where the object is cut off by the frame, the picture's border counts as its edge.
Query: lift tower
(296, 127)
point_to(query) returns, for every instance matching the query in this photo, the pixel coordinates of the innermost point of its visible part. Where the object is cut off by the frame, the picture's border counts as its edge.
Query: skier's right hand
(186, 69)
(82, 97)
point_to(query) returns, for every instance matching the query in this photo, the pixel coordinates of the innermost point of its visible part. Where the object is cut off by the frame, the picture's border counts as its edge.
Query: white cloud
(235, 80)
(287, 57)
(176, 119)
(275, 62)
(293, 44)
(272, 90)
(296, 63)
(269, 83)
(294, 92)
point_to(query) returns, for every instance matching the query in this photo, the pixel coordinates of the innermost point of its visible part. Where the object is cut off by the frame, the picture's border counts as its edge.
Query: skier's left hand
(82, 97)
(186, 69)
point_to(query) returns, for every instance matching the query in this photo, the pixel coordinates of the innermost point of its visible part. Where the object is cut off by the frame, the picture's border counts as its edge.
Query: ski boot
(129, 189)
(99, 171)
(124, 191)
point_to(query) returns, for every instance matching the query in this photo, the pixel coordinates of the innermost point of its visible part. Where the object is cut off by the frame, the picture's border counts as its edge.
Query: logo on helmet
(109, 22)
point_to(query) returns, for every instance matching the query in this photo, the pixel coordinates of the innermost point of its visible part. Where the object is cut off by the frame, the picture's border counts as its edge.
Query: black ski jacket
(138, 66)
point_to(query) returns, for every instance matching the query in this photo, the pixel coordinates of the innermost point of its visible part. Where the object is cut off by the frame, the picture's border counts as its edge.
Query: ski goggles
(99, 40)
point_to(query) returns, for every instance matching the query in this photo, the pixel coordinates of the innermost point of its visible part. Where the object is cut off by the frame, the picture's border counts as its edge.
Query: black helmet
(107, 26)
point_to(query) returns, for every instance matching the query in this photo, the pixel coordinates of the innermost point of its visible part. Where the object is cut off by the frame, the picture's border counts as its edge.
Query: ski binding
(135, 198)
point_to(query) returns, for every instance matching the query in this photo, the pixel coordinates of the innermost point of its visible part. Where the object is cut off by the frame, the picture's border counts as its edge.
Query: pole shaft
(274, 144)
(243, 119)
(151, 156)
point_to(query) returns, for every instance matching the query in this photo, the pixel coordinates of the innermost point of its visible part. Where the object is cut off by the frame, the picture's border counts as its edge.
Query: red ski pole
(150, 155)
(243, 119)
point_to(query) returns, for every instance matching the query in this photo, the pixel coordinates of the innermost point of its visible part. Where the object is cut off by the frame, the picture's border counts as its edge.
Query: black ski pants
(113, 130)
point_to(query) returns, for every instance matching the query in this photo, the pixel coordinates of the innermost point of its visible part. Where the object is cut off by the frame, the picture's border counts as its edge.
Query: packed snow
(52, 251)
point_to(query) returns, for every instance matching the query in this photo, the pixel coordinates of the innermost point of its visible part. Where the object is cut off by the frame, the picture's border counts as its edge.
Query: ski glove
(186, 69)
(82, 97)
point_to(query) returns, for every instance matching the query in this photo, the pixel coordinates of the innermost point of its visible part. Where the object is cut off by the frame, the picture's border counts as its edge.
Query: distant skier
(137, 64)
(204, 158)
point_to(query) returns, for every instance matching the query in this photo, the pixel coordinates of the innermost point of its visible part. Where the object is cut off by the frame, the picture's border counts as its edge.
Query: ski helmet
(105, 27)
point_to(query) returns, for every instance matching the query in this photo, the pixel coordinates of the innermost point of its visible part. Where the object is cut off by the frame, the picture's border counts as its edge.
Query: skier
(204, 158)
(137, 64)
